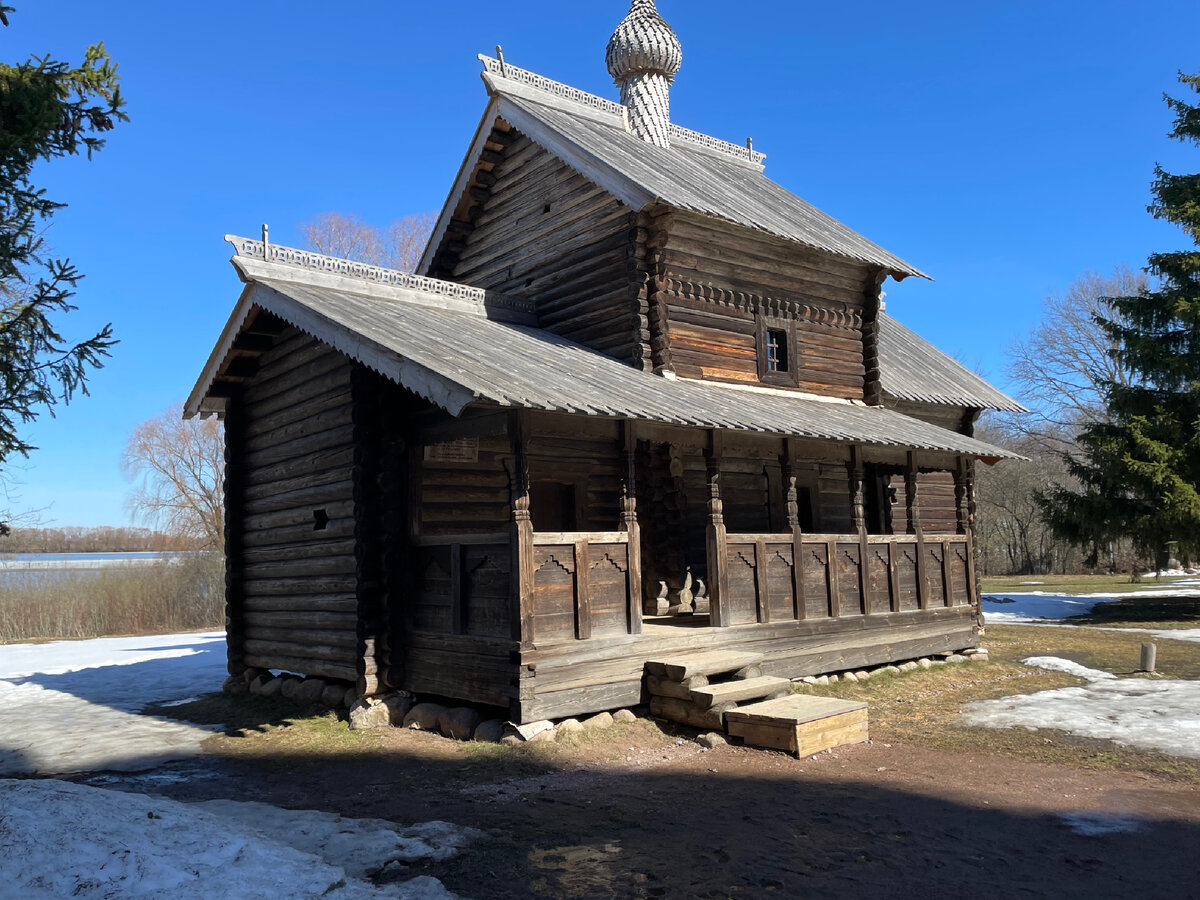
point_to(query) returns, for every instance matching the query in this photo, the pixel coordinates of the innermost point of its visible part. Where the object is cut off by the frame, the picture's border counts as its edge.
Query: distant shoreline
(35, 562)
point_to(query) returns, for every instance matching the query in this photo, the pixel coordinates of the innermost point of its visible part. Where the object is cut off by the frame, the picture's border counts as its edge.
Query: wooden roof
(463, 351)
(696, 173)
(911, 368)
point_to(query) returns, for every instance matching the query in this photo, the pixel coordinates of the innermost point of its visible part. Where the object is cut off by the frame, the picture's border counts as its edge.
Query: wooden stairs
(708, 690)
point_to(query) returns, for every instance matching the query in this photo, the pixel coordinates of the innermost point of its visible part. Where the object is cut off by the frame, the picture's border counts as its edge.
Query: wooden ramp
(800, 723)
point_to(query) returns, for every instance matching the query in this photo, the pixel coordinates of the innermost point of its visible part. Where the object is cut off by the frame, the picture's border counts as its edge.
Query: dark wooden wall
(712, 279)
(296, 526)
(547, 233)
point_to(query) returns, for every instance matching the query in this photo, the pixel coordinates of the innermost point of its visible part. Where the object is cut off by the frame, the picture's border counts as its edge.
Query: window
(776, 351)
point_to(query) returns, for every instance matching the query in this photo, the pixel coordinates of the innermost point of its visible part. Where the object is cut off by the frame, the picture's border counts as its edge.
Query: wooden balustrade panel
(849, 592)
(779, 582)
(879, 579)
(815, 565)
(959, 591)
(906, 577)
(933, 569)
(487, 585)
(740, 604)
(553, 602)
(608, 582)
(433, 608)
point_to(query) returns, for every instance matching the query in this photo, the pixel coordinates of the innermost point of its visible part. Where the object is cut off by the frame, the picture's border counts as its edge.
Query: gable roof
(911, 368)
(696, 173)
(458, 352)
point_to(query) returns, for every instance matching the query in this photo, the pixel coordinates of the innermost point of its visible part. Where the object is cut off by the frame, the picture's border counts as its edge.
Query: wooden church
(639, 401)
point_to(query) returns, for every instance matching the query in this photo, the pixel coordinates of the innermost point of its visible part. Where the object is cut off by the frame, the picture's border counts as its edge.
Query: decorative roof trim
(507, 72)
(557, 88)
(409, 287)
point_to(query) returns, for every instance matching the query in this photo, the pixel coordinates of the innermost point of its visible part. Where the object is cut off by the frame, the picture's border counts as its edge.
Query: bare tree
(348, 236)
(177, 467)
(1063, 363)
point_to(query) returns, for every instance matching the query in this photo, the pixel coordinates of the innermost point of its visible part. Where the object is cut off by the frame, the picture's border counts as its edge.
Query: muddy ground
(640, 811)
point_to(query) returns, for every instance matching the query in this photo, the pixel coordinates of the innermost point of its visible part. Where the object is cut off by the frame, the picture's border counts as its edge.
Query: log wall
(545, 232)
(294, 516)
(713, 283)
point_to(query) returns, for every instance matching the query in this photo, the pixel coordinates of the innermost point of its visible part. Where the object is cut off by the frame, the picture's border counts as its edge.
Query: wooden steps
(738, 690)
(712, 662)
(680, 688)
(800, 723)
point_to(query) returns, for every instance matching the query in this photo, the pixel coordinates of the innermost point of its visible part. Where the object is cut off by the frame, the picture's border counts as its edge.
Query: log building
(640, 400)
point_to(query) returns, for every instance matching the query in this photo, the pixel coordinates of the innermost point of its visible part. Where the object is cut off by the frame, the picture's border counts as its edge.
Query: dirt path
(646, 818)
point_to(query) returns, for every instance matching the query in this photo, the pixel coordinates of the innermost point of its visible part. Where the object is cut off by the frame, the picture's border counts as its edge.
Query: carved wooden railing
(581, 587)
(902, 573)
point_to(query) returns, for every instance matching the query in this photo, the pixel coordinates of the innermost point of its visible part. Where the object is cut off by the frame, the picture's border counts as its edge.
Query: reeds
(181, 595)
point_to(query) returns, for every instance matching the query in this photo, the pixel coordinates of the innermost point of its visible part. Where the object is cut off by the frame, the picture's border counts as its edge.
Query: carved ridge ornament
(332, 265)
(566, 92)
(770, 306)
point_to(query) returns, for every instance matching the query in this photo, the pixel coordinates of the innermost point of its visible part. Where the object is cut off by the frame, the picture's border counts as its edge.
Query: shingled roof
(459, 347)
(911, 368)
(696, 172)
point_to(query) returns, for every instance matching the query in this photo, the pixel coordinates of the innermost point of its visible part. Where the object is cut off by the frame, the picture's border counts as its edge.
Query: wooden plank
(736, 691)
(583, 591)
(947, 587)
(795, 709)
(834, 580)
(761, 582)
(894, 577)
(686, 713)
(457, 623)
(716, 662)
(799, 601)
(807, 738)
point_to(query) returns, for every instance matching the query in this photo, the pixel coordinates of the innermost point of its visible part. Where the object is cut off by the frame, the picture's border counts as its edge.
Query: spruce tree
(1139, 473)
(48, 110)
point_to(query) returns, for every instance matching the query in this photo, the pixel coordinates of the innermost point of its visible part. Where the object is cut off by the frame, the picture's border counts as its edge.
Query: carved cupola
(643, 57)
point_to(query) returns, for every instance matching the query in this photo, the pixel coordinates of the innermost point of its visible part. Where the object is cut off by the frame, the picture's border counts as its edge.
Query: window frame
(766, 375)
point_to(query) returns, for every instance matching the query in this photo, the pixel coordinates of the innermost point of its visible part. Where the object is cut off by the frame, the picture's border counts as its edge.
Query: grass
(922, 708)
(1074, 584)
(144, 599)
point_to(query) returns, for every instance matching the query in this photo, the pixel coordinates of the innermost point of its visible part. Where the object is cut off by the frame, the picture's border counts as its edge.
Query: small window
(552, 506)
(777, 360)
(777, 350)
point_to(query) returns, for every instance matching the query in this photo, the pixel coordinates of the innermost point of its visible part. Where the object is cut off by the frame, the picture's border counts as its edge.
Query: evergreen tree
(48, 110)
(1139, 473)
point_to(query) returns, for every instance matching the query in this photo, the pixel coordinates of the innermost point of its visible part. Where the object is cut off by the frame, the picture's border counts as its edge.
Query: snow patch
(75, 706)
(1161, 716)
(1098, 824)
(1055, 664)
(70, 840)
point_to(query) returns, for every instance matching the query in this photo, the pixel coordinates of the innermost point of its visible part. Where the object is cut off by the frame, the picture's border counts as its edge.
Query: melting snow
(1159, 715)
(73, 706)
(1098, 824)
(69, 840)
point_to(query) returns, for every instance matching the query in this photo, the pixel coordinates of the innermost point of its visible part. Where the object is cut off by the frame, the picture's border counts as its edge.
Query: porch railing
(781, 577)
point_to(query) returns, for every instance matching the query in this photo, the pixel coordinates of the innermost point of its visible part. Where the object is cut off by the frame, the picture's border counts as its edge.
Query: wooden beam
(629, 522)
(583, 591)
(761, 582)
(521, 541)
(715, 542)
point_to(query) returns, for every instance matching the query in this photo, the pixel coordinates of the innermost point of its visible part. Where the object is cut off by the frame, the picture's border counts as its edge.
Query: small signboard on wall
(464, 450)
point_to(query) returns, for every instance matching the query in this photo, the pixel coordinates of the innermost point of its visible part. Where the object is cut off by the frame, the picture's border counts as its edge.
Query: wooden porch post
(914, 528)
(521, 535)
(718, 572)
(629, 524)
(858, 518)
(792, 505)
(965, 475)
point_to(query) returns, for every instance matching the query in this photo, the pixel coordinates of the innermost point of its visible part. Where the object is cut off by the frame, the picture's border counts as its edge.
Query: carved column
(629, 524)
(521, 542)
(792, 506)
(718, 555)
(858, 519)
(960, 497)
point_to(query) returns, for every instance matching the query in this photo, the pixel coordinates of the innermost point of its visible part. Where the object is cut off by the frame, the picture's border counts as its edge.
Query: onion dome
(643, 56)
(643, 44)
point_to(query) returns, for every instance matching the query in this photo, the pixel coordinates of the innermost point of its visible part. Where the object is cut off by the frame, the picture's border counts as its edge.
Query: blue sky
(1003, 148)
